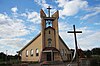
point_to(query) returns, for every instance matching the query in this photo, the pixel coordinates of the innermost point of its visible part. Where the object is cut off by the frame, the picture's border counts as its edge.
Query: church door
(49, 56)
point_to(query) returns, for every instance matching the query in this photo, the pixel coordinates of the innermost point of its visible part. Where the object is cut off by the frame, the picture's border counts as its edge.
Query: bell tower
(49, 31)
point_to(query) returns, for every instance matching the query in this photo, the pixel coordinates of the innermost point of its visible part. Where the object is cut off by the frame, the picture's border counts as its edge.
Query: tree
(88, 53)
(2, 56)
(96, 51)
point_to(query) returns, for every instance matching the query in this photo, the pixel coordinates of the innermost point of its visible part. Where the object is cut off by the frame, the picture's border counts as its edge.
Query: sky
(20, 22)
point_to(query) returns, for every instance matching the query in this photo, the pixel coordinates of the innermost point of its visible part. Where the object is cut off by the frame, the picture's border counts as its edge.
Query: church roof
(63, 42)
(45, 48)
(30, 42)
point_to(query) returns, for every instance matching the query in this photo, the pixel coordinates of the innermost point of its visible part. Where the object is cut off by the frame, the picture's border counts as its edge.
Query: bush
(94, 62)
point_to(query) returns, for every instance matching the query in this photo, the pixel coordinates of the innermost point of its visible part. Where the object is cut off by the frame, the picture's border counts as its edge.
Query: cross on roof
(48, 11)
(77, 57)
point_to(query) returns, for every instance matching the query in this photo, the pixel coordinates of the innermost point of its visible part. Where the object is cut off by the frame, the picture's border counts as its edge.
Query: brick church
(47, 45)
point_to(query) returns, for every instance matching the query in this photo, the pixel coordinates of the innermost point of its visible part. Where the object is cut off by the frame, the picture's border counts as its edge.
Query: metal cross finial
(48, 11)
(77, 57)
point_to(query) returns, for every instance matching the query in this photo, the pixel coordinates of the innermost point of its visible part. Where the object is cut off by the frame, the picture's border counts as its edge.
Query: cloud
(14, 9)
(88, 39)
(11, 27)
(70, 8)
(63, 25)
(42, 3)
(97, 23)
(12, 45)
(12, 42)
(93, 11)
(89, 15)
(61, 3)
(32, 17)
(13, 30)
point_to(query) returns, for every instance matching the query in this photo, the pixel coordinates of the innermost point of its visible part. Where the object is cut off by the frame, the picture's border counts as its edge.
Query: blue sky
(20, 22)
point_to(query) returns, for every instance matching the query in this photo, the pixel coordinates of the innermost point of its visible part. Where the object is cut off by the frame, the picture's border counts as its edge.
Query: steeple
(49, 24)
(49, 19)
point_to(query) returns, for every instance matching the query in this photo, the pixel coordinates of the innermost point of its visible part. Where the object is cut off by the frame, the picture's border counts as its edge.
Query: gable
(62, 42)
(30, 42)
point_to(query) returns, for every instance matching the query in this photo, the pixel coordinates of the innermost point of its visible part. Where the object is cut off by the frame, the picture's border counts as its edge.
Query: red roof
(81, 54)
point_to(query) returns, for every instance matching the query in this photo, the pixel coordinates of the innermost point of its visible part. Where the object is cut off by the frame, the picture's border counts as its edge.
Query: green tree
(96, 51)
(88, 53)
(2, 56)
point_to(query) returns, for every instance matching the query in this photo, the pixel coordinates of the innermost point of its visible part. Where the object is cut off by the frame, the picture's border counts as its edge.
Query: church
(47, 45)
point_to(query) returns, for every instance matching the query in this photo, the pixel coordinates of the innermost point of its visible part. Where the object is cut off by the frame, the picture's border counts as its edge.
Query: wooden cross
(48, 11)
(77, 57)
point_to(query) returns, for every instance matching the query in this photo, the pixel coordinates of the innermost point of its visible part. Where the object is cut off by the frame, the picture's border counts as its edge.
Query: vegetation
(94, 56)
(9, 58)
(95, 52)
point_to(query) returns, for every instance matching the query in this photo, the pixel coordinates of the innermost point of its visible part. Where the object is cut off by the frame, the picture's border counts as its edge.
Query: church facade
(47, 45)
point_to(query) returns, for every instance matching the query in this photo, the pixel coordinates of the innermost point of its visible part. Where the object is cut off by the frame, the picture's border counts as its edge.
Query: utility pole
(76, 47)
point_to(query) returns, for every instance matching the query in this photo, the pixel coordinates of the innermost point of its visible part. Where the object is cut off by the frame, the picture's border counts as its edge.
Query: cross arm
(74, 32)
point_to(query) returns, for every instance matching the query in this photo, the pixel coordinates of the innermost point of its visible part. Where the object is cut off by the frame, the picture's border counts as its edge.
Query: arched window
(31, 52)
(37, 52)
(26, 53)
(49, 42)
(65, 52)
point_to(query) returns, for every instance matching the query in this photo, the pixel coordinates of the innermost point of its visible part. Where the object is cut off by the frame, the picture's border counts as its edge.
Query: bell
(49, 23)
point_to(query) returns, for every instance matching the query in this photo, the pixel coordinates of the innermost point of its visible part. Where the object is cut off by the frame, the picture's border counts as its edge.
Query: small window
(31, 52)
(26, 53)
(49, 31)
(65, 52)
(37, 52)
(62, 52)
